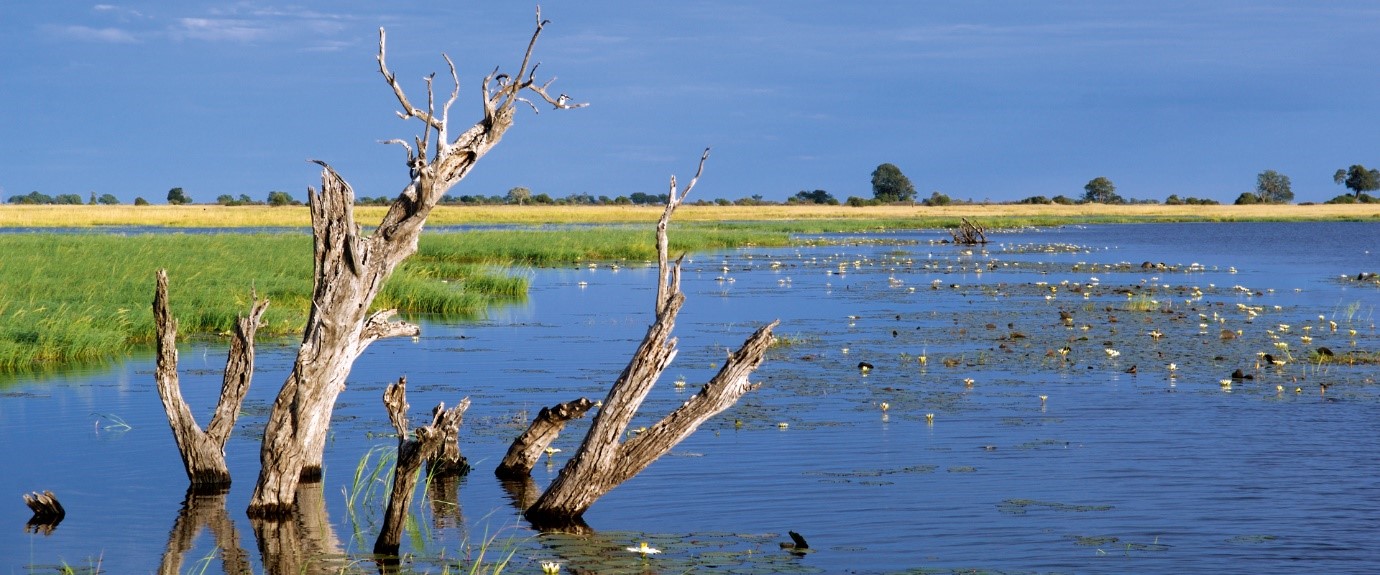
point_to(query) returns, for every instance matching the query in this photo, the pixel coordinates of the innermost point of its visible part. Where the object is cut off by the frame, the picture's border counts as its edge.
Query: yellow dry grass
(254, 216)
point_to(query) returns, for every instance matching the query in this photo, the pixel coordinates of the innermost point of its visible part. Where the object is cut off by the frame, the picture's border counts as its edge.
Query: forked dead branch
(203, 452)
(605, 460)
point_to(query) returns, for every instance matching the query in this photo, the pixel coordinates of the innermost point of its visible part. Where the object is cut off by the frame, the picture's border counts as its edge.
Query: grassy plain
(72, 297)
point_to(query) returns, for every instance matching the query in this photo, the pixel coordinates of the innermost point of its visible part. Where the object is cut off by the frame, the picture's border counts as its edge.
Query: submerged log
(604, 460)
(413, 449)
(48, 513)
(350, 267)
(527, 449)
(203, 452)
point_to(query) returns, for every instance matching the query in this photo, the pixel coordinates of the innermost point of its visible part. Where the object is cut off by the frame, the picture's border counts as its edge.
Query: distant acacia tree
(519, 195)
(1272, 187)
(68, 199)
(178, 197)
(938, 199)
(140, 201)
(1358, 179)
(1246, 199)
(1102, 191)
(890, 185)
(108, 200)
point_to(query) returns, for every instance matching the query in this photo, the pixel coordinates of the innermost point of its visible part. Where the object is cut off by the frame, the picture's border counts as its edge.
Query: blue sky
(996, 100)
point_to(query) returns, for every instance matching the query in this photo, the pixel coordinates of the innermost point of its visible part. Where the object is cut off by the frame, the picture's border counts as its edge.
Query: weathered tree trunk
(202, 508)
(604, 460)
(526, 450)
(446, 460)
(203, 452)
(969, 233)
(413, 449)
(350, 269)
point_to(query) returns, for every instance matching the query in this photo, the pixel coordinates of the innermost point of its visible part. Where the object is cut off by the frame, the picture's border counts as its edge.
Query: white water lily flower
(644, 549)
(550, 567)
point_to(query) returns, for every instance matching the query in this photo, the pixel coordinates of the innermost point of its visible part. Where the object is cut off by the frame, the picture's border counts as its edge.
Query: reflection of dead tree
(204, 508)
(413, 449)
(604, 460)
(350, 268)
(304, 543)
(203, 452)
(47, 512)
(969, 233)
(526, 450)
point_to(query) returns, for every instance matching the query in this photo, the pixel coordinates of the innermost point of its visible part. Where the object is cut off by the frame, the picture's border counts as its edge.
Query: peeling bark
(604, 460)
(527, 449)
(413, 449)
(351, 268)
(203, 452)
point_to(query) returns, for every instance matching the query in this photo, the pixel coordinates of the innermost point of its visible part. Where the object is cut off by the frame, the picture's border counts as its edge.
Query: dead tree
(203, 452)
(351, 267)
(969, 233)
(604, 460)
(413, 449)
(526, 450)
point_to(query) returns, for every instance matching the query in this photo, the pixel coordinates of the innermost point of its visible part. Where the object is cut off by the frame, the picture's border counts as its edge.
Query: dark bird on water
(864, 366)
(798, 544)
(1131, 370)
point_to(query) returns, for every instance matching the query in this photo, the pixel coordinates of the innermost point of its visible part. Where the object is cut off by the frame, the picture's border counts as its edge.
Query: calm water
(1156, 471)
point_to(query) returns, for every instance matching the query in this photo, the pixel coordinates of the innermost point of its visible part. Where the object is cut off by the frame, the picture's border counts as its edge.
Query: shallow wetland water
(992, 434)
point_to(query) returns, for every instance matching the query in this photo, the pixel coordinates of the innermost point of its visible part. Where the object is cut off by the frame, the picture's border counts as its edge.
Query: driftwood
(413, 450)
(969, 233)
(47, 512)
(350, 267)
(527, 449)
(203, 452)
(604, 460)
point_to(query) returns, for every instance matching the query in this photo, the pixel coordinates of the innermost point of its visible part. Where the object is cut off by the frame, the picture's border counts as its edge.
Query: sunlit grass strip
(69, 298)
(994, 215)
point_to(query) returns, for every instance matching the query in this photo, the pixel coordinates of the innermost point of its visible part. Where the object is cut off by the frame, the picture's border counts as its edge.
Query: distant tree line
(889, 186)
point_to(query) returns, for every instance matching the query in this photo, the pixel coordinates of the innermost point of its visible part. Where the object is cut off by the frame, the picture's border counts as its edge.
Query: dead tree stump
(48, 513)
(203, 452)
(413, 450)
(527, 449)
(604, 460)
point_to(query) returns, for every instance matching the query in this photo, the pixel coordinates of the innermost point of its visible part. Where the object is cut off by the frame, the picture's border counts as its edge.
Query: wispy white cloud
(90, 34)
(218, 29)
